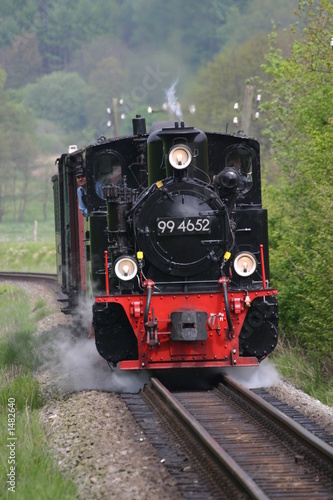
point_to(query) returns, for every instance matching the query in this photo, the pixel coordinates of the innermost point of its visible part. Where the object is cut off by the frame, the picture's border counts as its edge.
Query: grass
(35, 470)
(10, 317)
(41, 310)
(26, 246)
(28, 256)
(29, 245)
(22, 250)
(13, 231)
(304, 371)
(25, 389)
(36, 473)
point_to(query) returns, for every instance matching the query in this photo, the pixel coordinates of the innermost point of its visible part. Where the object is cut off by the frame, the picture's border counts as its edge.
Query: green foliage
(54, 32)
(159, 24)
(307, 372)
(14, 21)
(26, 193)
(54, 97)
(18, 149)
(300, 125)
(222, 82)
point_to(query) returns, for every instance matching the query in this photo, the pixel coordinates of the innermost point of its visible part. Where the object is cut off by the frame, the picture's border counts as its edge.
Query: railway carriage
(173, 252)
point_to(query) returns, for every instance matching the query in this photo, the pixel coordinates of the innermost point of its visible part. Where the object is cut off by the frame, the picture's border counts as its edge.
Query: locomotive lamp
(180, 157)
(126, 268)
(245, 264)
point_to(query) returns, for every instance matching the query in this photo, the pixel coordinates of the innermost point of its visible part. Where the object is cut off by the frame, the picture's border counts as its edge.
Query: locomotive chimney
(139, 125)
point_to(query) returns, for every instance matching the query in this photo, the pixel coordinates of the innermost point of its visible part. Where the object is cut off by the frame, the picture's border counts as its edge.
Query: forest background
(64, 63)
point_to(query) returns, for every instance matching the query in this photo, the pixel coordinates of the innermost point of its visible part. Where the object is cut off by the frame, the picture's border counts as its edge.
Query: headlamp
(126, 268)
(245, 264)
(180, 157)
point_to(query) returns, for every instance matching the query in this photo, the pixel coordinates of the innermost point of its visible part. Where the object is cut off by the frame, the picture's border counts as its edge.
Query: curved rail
(47, 278)
(15, 275)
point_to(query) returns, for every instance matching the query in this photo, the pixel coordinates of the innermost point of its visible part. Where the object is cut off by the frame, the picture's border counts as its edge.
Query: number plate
(167, 226)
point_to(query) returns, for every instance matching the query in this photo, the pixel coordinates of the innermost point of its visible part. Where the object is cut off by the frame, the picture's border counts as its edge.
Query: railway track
(25, 276)
(229, 443)
(44, 278)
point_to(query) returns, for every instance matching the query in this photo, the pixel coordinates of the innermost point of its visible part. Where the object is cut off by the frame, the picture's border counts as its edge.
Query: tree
(18, 151)
(194, 31)
(300, 108)
(22, 61)
(59, 97)
(222, 82)
(106, 82)
(180, 29)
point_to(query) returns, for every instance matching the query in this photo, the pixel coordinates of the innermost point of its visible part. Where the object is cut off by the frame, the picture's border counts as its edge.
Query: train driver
(234, 160)
(81, 181)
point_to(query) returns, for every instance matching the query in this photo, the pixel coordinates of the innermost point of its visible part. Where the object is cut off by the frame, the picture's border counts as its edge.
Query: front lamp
(245, 264)
(180, 157)
(126, 268)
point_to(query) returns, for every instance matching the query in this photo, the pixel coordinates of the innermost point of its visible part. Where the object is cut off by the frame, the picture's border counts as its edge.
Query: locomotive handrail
(262, 265)
(107, 289)
(149, 284)
(223, 282)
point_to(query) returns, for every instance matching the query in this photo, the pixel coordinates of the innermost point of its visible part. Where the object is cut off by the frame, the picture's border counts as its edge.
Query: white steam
(264, 375)
(84, 369)
(172, 102)
(73, 363)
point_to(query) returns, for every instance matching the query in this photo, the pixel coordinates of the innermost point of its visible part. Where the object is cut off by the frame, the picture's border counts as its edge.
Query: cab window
(241, 159)
(107, 170)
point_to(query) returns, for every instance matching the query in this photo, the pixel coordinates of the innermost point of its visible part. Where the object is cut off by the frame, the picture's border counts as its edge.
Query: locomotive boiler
(173, 250)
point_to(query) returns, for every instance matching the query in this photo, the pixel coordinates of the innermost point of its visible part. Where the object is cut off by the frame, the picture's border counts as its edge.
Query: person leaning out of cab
(81, 182)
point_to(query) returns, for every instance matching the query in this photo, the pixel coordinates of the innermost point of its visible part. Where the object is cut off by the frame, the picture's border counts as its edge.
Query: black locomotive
(173, 250)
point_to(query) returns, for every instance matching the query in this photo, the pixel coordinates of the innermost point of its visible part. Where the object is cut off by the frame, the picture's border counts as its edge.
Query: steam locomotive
(173, 250)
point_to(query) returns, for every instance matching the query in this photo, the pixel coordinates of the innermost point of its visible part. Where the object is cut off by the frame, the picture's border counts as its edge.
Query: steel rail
(219, 453)
(27, 275)
(310, 440)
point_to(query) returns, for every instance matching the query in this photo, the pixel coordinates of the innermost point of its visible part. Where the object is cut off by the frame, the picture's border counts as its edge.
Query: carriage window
(107, 169)
(241, 159)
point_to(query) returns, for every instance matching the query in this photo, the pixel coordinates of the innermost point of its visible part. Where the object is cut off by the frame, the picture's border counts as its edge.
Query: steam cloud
(86, 370)
(173, 104)
(264, 375)
(72, 360)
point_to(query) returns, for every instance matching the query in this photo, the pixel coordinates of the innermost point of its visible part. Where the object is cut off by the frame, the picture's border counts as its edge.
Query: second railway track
(46, 279)
(233, 443)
